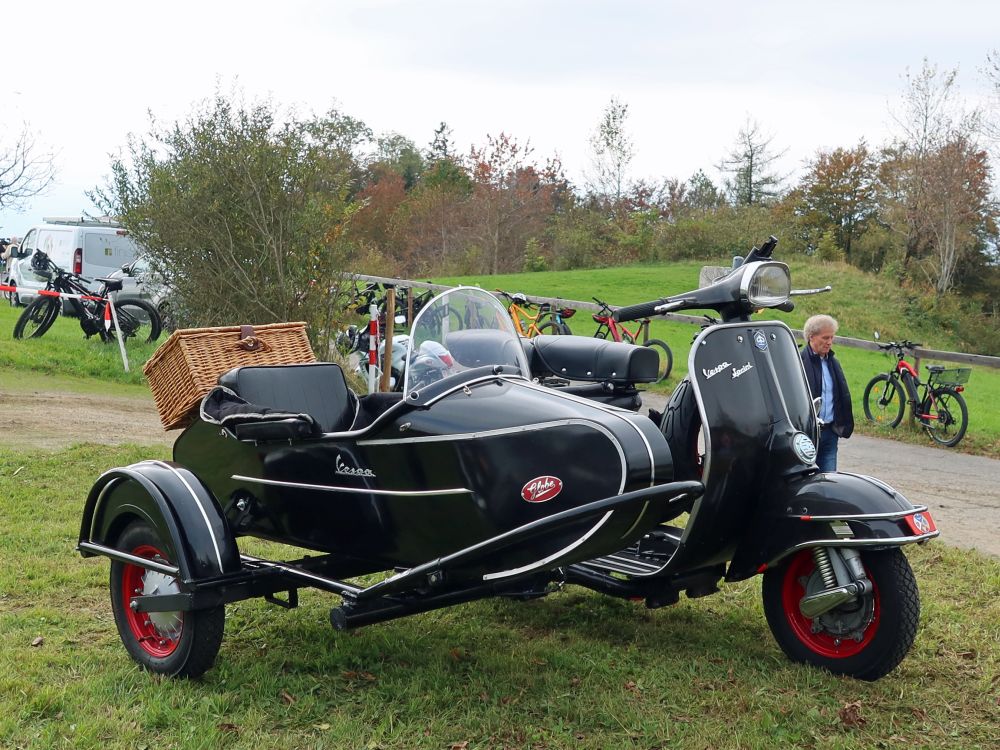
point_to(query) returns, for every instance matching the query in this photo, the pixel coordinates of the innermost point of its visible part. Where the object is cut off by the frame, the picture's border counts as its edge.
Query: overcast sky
(814, 75)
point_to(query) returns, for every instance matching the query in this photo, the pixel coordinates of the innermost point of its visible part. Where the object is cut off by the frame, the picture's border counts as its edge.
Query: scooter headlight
(767, 285)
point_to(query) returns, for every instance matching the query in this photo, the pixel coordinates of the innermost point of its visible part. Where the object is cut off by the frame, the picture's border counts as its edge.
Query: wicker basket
(186, 366)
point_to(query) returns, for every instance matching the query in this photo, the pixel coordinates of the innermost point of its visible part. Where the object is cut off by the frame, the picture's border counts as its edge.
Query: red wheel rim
(822, 643)
(145, 632)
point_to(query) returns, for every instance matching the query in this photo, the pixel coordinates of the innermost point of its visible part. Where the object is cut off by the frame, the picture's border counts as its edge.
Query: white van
(87, 247)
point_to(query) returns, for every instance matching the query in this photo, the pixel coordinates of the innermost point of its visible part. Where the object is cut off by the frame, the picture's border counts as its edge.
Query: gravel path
(963, 492)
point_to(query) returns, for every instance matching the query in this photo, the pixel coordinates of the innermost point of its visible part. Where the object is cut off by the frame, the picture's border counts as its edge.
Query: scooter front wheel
(865, 638)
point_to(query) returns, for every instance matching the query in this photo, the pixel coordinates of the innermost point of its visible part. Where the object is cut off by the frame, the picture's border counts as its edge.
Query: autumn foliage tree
(838, 194)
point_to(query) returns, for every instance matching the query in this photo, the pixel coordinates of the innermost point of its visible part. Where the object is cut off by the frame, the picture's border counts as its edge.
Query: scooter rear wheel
(864, 639)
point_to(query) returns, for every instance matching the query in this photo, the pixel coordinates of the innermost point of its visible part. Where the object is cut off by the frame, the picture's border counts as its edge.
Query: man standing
(826, 380)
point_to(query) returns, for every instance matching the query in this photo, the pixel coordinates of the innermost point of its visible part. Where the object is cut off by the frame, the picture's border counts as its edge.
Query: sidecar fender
(175, 503)
(834, 509)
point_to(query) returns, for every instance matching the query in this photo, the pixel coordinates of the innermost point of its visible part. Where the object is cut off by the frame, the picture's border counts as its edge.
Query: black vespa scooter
(477, 481)
(837, 590)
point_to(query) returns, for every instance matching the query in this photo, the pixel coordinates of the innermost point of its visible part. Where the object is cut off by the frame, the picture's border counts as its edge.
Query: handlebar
(898, 346)
(635, 312)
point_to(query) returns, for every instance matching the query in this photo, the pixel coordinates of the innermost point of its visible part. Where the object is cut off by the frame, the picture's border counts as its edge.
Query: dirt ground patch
(962, 492)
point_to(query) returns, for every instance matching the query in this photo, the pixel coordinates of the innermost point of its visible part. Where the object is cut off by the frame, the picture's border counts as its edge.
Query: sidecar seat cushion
(318, 389)
(593, 360)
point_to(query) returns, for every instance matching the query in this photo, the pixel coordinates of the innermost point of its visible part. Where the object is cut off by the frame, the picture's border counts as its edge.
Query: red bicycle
(608, 326)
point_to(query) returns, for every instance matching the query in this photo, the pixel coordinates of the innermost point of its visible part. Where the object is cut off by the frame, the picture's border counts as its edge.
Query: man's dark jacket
(843, 414)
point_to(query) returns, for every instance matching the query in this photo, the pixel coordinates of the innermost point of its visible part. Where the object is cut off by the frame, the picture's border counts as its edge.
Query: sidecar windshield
(458, 330)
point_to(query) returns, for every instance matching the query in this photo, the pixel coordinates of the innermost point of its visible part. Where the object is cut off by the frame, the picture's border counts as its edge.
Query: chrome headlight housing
(766, 284)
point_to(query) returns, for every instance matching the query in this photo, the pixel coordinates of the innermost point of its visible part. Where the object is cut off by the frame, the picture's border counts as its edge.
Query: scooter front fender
(831, 509)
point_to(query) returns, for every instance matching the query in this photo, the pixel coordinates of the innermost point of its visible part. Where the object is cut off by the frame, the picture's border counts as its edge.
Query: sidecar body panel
(434, 475)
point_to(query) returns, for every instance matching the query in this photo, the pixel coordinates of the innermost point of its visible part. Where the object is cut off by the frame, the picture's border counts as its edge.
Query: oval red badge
(540, 489)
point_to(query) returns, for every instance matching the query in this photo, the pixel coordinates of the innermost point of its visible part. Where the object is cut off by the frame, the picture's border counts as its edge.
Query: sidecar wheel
(866, 639)
(176, 644)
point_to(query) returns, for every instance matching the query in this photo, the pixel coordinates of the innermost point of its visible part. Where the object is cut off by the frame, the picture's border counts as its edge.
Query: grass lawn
(573, 670)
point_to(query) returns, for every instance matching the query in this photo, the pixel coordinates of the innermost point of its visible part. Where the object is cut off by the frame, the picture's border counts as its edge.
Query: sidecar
(474, 481)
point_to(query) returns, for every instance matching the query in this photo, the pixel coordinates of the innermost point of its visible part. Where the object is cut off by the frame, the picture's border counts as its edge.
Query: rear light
(959, 388)
(78, 261)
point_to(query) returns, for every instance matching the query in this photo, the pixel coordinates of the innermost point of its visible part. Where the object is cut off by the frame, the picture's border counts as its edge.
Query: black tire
(666, 357)
(176, 644)
(139, 321)
(681, 426)
(945, 416)
(37, 318)
(884, 401)
(865, 639)
(553, 328)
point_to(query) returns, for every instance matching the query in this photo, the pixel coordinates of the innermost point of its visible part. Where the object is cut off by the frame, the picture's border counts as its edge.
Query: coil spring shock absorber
(825, 568)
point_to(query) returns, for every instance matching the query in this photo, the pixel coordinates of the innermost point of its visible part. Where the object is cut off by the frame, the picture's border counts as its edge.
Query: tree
(838, 193)
(750, 165)
(245, 214)
(611, 153)
(702, 195)
(25, 170)
(511, 199)
(939, 177)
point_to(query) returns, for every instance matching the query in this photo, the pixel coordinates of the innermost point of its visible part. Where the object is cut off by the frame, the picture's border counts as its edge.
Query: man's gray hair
(817, 324)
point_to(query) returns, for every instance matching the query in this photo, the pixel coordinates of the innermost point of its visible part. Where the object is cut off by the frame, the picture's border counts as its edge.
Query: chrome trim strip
(866, 516)
(484, 433)
(356, 490)
(201, 507)
(97, 503)
(125, 557)
(892, 541)
(553, 556)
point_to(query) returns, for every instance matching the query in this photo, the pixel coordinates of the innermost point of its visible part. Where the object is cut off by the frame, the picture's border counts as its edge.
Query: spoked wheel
(177, 644)
(945, 416)
(883, 401)
(37, 318)
(666, 358)
(139, 321)
(865, 638)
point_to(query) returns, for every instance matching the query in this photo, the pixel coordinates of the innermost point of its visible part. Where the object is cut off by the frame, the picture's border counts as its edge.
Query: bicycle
(937, 403)
(137, 319)
(608, 326)
(546, 318)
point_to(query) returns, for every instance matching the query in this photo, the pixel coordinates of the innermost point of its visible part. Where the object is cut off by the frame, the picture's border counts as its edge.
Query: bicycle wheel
(555, 329)
(944, 416)
(883, 401)
(139, 321)
(666, 357)
(37, 318)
